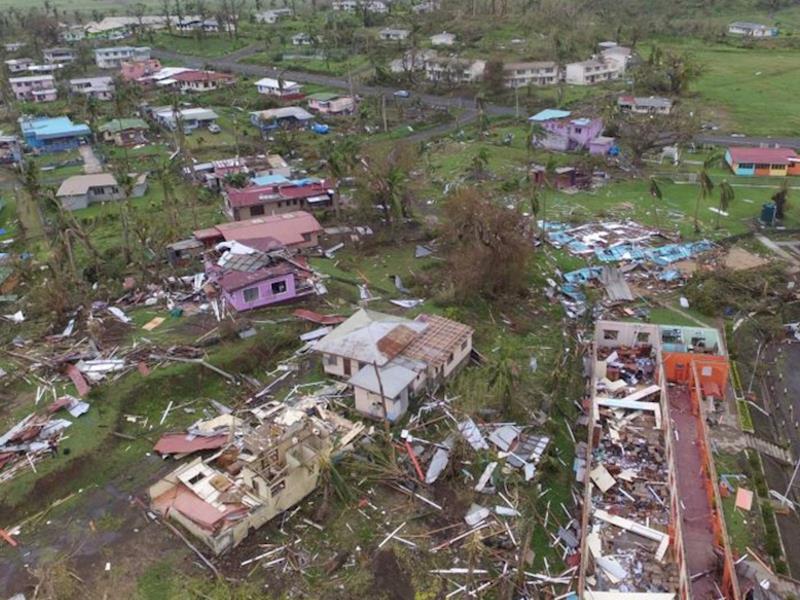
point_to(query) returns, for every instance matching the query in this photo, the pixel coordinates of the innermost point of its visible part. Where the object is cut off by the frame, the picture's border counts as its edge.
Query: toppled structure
(261, 473)
(652, 521)
(249, 279)
(389, 359)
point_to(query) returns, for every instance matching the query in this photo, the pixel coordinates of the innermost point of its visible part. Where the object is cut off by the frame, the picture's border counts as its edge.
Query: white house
(389, 34)
(755, 30)
(302, 39)
(413, 60)
(645, 105)
(113, 57)
(282, 89)
(453, 69)
(443, 39)
(373, 6)
(18, 65)
(79, 191)
(389, 359)
(521, 74)
(100, 88)
(72, 33)
(271, 17)
(59, 55)
(190, 118)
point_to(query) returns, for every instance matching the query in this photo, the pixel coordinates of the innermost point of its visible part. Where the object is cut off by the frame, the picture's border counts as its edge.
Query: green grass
(747, 90)
(209, 45)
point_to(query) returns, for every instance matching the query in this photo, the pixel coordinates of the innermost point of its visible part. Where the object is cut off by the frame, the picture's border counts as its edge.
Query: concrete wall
(371, 405)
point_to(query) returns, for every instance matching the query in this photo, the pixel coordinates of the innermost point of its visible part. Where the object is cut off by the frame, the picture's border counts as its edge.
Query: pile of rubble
(630, 257)
(36, 437)
(629, 512)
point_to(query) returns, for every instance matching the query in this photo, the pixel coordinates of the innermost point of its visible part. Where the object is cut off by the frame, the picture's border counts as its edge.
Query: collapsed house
(388, 360)
(294, 231)
(264, 471)
(652, 524)
(249, 279)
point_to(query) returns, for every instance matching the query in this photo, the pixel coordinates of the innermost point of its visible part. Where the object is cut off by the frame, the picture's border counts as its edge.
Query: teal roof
(549, 114)
(55, 127)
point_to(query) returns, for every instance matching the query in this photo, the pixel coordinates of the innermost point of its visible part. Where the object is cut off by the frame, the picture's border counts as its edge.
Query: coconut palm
(706, 188)
(726, 196)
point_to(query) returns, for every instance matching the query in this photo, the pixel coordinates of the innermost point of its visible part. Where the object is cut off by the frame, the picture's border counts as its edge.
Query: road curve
(232, 65)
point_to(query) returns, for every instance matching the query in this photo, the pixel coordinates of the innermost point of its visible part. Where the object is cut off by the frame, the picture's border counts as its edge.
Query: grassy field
(748, 90)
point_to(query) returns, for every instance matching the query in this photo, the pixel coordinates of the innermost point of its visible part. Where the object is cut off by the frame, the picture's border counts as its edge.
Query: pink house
(558, 131)
(35, 88)
(249, 281)
(136, 69)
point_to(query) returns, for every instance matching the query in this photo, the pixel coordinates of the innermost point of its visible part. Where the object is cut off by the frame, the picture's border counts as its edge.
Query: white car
(214, 128)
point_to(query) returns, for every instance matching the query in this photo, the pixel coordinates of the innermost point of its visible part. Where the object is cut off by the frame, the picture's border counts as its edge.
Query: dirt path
(91, 164)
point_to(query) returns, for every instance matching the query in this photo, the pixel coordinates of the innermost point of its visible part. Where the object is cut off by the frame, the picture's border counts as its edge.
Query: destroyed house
(389, 359)
(286, 117)
(276, 198)
(297, 230)
(260, 474)
(250, 279)
(652, 520)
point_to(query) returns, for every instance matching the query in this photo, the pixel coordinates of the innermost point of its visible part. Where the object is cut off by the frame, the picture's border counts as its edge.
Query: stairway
(768, 448)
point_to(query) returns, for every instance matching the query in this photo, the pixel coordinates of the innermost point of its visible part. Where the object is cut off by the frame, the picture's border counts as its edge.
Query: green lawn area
(748, 90)
(209, 45)
(314, 65)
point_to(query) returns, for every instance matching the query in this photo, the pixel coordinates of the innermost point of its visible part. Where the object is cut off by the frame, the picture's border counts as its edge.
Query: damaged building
(652, 521)
(262, 472)
(389, 359)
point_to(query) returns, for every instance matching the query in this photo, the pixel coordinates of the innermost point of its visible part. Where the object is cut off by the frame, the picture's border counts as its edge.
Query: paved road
(730, 140)
(231, 63)
(227, 63)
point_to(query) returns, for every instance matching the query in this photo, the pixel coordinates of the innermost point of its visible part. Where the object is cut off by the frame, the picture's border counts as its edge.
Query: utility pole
(386, 428)
(383, 113)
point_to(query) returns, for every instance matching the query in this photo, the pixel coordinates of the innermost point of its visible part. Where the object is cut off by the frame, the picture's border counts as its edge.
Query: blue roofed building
(56, 134)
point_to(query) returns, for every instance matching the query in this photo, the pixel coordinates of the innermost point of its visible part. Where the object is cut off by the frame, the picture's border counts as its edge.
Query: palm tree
(126, 184)
(165, 177)
(655, 193)
(479, 163)
(781, 198)
(725, 198)
(706, 187)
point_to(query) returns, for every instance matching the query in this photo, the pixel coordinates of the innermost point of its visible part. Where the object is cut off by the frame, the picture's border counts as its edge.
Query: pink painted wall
(265, 294)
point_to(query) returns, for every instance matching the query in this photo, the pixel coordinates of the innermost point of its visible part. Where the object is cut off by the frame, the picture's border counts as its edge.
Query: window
(610, 334)
(196, 478)
(642, 337)
(279, 287)
(450, 358)
(331, 360)
(250, 294)
(256, 210)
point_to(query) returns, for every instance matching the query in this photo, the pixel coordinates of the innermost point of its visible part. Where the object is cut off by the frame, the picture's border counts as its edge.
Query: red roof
(772, 156)
(260, 194)
(287, 229)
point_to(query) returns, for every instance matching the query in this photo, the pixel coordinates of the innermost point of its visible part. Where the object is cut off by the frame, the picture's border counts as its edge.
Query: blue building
(56, 134)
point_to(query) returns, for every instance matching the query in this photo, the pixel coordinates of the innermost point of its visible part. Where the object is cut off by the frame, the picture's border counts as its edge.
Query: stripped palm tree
(726, 197)
(706, 188)
(657, 195)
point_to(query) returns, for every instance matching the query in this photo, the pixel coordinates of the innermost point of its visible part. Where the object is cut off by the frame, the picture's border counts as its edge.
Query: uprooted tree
(489, 247)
